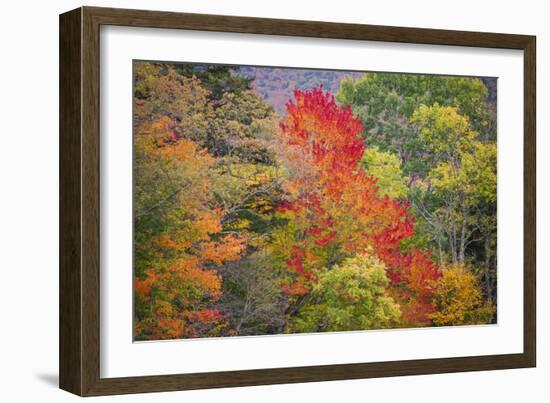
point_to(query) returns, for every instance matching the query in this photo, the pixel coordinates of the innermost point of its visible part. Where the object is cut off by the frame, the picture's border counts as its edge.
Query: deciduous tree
(334, 208)
(349, 296)
(459, 299)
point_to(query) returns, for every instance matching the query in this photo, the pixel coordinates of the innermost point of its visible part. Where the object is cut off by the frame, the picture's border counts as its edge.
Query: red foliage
(339, 204)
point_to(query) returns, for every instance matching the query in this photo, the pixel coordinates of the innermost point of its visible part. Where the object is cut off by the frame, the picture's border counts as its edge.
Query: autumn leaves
(339, 209)
(250, 224)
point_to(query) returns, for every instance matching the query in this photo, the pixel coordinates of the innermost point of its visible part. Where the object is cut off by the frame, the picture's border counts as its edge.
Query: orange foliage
(225, 249)
(143, 287)
(338, 206)
(188, 250)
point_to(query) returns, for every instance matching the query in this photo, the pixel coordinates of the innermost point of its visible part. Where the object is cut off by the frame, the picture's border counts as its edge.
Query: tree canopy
(373, 208)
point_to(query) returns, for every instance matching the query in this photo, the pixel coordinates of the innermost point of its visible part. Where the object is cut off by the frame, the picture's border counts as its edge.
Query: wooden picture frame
(79, 347)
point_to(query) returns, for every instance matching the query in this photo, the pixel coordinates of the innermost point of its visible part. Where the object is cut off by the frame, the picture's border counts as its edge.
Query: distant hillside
(276, 85)
(491, 84)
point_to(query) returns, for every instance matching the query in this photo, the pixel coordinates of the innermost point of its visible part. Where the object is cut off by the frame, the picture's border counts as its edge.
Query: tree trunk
(487, 270)
(463, 239)
(441, 262)
(452, 245)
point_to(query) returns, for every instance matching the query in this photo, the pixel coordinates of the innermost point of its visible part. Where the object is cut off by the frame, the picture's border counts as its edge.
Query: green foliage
(190, 218)
(350, 296)
(245, 224)
(387, 168)
(461, 181)
(444, 131)
(385, 103)
(166, 188)
(242, 128)
(475, 177)
(217, 79)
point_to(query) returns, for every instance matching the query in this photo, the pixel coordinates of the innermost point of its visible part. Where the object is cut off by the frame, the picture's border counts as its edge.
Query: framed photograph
(249, 201)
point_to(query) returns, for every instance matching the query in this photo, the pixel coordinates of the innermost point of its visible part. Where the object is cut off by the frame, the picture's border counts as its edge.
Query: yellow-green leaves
(444, 130)
(350, 296)
(475, 176)
(387, 168)
(480, 171)
(464, 164)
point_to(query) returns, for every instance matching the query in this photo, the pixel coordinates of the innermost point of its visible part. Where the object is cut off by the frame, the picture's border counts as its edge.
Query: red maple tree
(337, 206)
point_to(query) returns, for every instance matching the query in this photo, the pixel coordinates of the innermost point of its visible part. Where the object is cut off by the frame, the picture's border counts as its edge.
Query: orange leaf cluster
(338, 206)
(182, 278)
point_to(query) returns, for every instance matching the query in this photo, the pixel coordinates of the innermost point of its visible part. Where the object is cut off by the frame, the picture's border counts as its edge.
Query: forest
(277, 201)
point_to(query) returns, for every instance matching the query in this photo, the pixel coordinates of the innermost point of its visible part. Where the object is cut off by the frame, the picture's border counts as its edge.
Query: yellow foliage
(459, 299)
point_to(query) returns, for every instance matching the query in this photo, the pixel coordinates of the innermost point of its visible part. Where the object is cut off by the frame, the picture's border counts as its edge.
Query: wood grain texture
(80, 201)
(90, 202)
(315, 29)
(530, 203)
(70, 274)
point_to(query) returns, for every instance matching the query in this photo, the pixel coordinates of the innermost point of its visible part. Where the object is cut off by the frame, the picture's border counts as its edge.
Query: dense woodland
(369, 203)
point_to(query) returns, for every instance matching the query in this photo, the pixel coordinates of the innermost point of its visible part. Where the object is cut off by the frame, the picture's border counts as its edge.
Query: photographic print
(273, 200)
